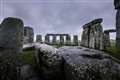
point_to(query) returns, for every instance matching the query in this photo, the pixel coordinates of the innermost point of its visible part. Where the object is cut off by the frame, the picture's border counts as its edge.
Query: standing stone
(68, 40)
(61, 39)
(47, 39)
(75, 40)
(92, 36)
(11, 36)
(39, 38)
(85, 37)
(106, 39)
(98, 36)
(54, 41)
(117, 7)
(28, 35)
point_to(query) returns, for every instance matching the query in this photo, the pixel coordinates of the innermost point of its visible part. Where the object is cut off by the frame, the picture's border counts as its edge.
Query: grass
(27, 57)
(113, 51)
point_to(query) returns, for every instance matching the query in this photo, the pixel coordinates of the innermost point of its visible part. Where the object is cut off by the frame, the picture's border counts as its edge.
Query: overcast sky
(59, 16)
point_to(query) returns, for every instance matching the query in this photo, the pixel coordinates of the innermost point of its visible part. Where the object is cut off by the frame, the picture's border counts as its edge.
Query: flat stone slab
(76, 63)
(89, 64)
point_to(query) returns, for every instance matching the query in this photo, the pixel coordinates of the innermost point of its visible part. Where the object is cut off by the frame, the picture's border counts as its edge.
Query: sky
(59, 16)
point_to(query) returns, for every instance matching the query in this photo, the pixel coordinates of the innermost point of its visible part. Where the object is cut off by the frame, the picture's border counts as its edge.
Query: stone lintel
(110, 30)
(93, 22)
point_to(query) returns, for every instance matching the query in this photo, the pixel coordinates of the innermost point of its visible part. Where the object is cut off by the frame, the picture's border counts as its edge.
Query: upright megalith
(75, 63)
(39, 38)
(75, 40)
(106, 39)
(49, 62)
(47, 39)
(11, 36)
(54, 41)
(92, 35)
(117, 7)
(61, 39)
(68, 39)
(28, 34)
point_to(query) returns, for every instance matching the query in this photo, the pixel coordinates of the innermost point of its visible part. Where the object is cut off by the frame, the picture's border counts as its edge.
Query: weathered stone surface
(27, 72)
(68, 40)
(89, 64)
(11, 32)
(39, 38)
(107, 37)
(28, 35)
(75, 40)
(85, 38)
(61, 40)
(117, 4)
(54, 41)
(49, 62)
(106, 40)
(75, 63)
(47, 39)
(10, 45)
(118, 30)
(92, 23)
(92, 35)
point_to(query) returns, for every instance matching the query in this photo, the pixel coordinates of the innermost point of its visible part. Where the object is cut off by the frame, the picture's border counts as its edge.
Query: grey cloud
(61, 16)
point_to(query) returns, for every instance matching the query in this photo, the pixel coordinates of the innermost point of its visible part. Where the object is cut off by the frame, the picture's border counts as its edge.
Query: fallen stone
(107, 37)
(93, 22)
(49, 62)
(39, 38)
(118, 30)
(27, 72)
(89, 64)
(75, 63)
(75, 40)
